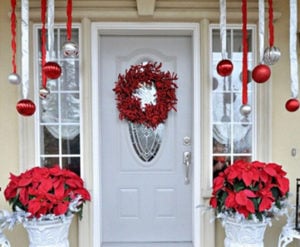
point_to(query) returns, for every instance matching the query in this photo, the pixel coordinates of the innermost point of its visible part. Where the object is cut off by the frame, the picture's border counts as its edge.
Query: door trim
(163, 28)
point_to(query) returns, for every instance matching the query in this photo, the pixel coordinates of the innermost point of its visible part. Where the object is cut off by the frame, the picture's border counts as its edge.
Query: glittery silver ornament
(70, 49)
(271, 55)
(14, 78)
(245, 110)
(44, 92)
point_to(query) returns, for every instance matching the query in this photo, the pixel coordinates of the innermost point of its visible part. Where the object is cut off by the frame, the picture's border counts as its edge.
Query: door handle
(187, 157)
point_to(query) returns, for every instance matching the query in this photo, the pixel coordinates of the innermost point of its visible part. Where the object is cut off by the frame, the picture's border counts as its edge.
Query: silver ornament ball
(70, 49)
(271, 55)
(14, 78)
(44, 92)
(245, 110)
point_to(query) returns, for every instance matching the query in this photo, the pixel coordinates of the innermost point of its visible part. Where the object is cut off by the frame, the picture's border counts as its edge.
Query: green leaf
(239, 185)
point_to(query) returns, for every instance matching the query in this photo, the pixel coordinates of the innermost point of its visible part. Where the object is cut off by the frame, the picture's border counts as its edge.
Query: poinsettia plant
(255, 190)
(47, 191)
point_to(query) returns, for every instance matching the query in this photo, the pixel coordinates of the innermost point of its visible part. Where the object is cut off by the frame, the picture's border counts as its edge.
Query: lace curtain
(231, 127)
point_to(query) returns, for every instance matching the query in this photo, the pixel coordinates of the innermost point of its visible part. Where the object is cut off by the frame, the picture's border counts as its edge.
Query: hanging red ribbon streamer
(43, 40)
(271, 26)
(69, 21)
(13, 21)
(245, 53)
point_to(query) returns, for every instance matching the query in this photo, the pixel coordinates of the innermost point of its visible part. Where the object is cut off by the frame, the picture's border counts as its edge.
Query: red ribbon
(13, 21)
(43, 40)
(271, 26)
(245, 53)
(69, 20)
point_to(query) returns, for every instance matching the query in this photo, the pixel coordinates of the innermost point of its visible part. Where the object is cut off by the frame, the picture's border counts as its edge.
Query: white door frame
(164, 28)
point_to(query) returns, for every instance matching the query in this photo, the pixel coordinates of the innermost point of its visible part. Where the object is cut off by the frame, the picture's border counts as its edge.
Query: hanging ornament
(261, 73)
(271, 53)
(25, 107)
(13, 77)
(44, 92)
(225, 66)
(293, 103)
(70, 48)
(245, 109)
(52, 70)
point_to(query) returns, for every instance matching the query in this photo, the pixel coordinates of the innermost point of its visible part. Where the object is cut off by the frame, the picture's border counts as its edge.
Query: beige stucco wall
(9, 138)
(285, 125)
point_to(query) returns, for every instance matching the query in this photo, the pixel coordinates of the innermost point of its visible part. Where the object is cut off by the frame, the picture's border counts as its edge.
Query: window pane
(49, 162)
(49, 143)
(72, 163)
(71, 146)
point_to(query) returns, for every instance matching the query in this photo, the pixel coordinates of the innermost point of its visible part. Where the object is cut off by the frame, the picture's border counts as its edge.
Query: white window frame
(261, 104)
(36, 86)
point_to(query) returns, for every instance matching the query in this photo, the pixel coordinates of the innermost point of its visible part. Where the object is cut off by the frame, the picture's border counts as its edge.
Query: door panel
(145, 201)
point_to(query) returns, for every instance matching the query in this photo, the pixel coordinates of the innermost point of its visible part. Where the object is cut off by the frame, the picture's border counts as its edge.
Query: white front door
(145, 200)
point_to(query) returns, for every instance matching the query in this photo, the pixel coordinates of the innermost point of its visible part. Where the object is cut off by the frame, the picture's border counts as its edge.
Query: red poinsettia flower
(250, 189)
(41, 191)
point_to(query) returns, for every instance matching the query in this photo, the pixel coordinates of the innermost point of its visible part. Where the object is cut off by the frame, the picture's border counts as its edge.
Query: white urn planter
(48, 233)
(244, 233)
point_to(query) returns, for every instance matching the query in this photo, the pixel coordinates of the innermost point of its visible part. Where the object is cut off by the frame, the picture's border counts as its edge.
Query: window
(59, 115)
(232, 132)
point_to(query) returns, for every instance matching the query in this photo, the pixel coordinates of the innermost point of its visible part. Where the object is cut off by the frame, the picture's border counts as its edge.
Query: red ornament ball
(261, 73)
(224, 67)
(52, 70)
(292, 105)
(25, 107)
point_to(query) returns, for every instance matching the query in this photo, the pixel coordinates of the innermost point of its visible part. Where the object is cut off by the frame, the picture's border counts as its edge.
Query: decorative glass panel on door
(146, 141)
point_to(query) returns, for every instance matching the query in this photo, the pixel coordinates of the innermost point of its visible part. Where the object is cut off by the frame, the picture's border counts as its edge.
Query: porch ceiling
(154, 10)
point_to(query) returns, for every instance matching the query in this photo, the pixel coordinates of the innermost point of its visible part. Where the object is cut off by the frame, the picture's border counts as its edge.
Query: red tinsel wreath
(129, 105)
